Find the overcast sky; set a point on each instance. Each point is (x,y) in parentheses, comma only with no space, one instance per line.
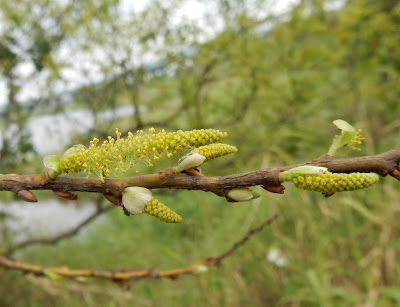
(192,10)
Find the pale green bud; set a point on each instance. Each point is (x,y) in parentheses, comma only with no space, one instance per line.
(242,194)
(189,161)
(135,199)
(201,269)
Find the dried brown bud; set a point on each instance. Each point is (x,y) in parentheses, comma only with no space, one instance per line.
(193,172)
(113,199)
(279,189)
(66,195)
(27,196)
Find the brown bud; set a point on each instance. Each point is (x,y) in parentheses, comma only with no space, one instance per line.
(66,195)
(113,199)
(127,213)
(396,174)
(27,196)
(279,189)
(193,172)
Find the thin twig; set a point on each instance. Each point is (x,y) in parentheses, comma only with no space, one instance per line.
(125,276)
(245,238)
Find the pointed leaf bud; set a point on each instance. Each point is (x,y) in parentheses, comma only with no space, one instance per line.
(189,161)
(135,199)
(53,163)
(242,194)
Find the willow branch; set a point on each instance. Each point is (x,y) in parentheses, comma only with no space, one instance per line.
(383,164)
(122,277)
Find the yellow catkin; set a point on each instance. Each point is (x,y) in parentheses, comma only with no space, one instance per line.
(121,154)
(213,151)
(161,212)
(335,182)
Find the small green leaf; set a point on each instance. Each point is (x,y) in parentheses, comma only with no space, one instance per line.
(343,125)
(53,162)
(348,135)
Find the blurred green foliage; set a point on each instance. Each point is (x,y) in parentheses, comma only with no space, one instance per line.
(274,84)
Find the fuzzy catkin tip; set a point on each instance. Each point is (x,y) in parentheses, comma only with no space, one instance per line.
(213,151)
(335,182)
(160,211)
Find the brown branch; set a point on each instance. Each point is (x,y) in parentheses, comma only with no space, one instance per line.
(382,164)
(122,277)
(63,235)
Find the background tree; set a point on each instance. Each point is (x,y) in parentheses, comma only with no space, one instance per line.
(274,83)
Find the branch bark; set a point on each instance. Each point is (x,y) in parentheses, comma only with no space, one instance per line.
(383,164)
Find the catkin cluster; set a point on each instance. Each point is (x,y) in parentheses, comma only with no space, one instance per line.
(335,182)
(161,211)
(122,154)
(213,151)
